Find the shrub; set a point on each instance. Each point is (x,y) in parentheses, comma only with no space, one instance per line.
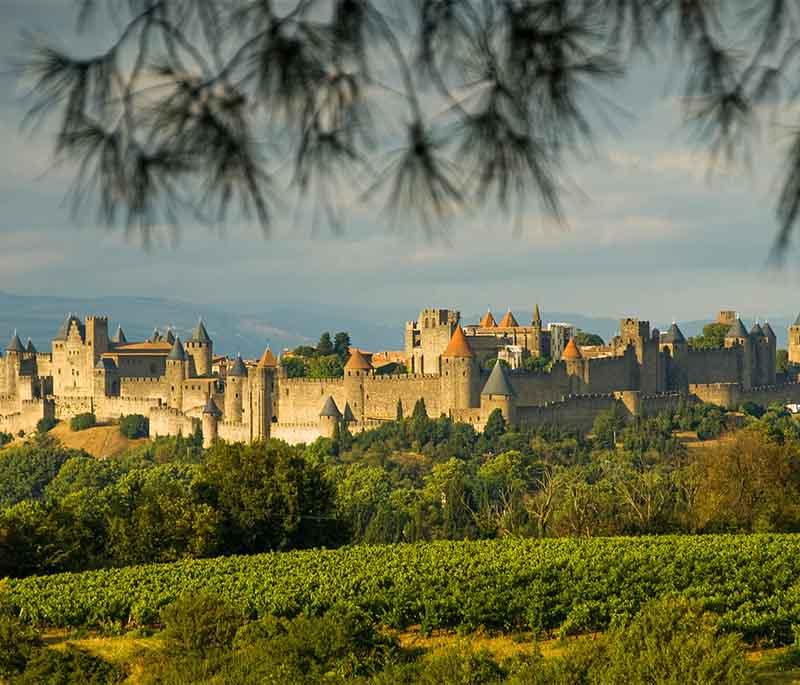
(201,622)
(72,666)
(46,424)
(134,426)
(82,421)
(17,644)
(5,438)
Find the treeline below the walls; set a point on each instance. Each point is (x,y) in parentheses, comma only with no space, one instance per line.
(413,479)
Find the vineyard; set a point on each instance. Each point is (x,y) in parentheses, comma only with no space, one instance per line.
(573,585)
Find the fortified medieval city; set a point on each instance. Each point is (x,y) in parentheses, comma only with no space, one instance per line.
(182,386)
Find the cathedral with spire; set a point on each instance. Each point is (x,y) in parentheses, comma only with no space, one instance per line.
(461,370)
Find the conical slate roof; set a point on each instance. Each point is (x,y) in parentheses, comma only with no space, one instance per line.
(737,330)
(15,345)
(498,382)
(156,336)
(119,336)
(673,335)
(797,321)
(330,409)
(170,336)
(756,331)
(177,353)
(571,351)
(211,408)
(768,330)
(458,345)
(238,369)
(357,361)
(30,349)
(488,320)
(508,321)
(268,359)
(200,334)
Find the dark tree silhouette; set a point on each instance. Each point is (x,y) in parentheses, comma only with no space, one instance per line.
(210,104)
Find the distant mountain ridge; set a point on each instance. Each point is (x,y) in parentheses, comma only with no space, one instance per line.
(248,328)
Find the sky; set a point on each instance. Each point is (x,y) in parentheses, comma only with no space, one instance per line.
(649,233)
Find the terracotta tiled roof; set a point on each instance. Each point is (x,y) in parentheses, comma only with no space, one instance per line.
(143,348)
(571,351)
(268,359)
(458,345)
(508,321)
(357,361)
(488,320)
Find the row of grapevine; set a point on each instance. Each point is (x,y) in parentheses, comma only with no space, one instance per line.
(751,581)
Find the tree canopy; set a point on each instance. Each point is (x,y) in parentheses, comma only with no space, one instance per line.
(207,105)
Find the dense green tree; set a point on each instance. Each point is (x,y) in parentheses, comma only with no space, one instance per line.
(267,495)
(713,337)
(325,345)
(495,426)
(295,367)
(329,366)
(782,364)
(585,339)
(341,345)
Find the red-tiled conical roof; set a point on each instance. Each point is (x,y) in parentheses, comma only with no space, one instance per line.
(508,321)
(458,345)
(488,320)
(571,351)
(357,361)
(268,359)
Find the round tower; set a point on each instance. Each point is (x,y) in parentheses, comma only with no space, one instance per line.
(211,416)
(14,352)
(356,371)
(200,349)
(234,389)
(459,375)
(575,365)
(498,394)
(674,343)
(329,418)
(176,374)
(737,336)
(262,382)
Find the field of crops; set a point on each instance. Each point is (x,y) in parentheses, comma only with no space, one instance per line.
(752,581)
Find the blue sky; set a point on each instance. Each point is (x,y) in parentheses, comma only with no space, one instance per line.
(649,234)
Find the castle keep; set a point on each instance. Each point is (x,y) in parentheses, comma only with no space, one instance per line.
(181,386)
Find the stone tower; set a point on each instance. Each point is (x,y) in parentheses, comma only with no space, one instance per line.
(262,385)
(772,345)
(460,374)
(737,335)
(329,418)
(176,374)
(234,391)
(200,349)
(675,345)
(536,322)
(14,352)
(794,341)
(356,371)
(96,340)
(211,416)
(498,394)
(575,366)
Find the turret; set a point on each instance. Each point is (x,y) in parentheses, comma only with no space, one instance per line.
(498,394)
(234,390)
(105,372)
(176,374)
(488,320)
(772,345)
(262,385)
(14,352)
(760,355)
(119,337)
(459,374)
(200,348)
(356,371)
(508,321)
(675,345)
(211,416)
(575,366)
(737,335)
(794,342)
(329,418)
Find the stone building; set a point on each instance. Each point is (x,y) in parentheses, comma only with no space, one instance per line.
(183,387)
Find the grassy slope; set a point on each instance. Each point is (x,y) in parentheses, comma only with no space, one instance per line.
(100,441)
